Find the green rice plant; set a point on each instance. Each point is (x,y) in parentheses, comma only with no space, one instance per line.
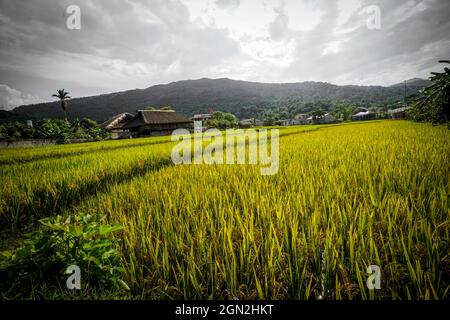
(44,187)
(345,197)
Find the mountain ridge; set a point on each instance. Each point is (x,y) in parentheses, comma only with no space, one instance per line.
(245,98)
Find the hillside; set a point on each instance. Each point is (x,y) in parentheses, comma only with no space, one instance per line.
(243,98)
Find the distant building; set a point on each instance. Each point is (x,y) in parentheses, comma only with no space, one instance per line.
(248,123)
(364,115)
(200,120)
(201,117)
(117,121)
(302,118)
(286,122)
(115,124)
(326,118)
(398,114)
(146,123)
(156,122)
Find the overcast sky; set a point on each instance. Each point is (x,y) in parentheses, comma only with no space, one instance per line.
(127,44)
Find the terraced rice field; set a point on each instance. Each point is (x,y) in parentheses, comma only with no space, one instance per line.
(345,197)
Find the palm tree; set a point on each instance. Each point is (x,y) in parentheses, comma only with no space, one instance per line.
(62,95)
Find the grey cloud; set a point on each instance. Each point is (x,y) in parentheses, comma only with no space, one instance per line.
(138,43)
(115,30)
(397,47)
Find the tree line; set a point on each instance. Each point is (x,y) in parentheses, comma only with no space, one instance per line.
(61,130)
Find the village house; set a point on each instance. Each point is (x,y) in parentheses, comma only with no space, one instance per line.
(301,118)
(326,118)
(286,122)
(200,121)
(115,125)
(398,114)
(248,123)
(202,117)
(157,122)
(364,115)
(146,123)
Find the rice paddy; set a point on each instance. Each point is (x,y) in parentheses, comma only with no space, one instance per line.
(345,197)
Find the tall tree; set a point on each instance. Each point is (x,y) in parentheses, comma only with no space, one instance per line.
(62,95)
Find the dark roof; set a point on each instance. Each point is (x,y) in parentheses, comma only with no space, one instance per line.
(155,117)
(117,121)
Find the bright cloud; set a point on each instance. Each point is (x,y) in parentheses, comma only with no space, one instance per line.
(11,98)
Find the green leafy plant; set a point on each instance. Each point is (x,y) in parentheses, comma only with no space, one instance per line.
(434,104)
(84,240)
